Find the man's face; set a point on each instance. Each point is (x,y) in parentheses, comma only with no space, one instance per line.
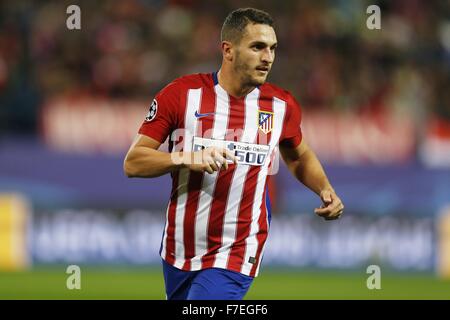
(255,54)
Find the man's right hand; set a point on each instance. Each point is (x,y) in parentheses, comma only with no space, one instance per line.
(208,160)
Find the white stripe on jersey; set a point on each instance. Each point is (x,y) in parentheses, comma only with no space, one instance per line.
(190,126)
(209,180)
(279,110)
(237,184)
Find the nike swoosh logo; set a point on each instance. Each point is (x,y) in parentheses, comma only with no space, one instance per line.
(201,115)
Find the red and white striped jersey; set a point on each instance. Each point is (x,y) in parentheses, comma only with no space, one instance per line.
(222,219)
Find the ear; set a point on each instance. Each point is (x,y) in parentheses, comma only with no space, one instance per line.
(227,50)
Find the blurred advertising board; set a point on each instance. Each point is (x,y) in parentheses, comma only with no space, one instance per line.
(133,237)
(84,124)
(364,138)
(96,236)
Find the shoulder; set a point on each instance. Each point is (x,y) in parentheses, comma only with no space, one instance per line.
(191,81)
(173,95)
(271,90)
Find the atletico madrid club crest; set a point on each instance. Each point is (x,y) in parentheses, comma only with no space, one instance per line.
(152,111)
(265,121)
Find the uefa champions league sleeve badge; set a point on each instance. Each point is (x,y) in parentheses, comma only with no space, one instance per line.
(152,111)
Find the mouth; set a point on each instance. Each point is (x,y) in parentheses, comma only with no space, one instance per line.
(263,69)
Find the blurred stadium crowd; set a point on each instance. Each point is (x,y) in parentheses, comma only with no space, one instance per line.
(130,49)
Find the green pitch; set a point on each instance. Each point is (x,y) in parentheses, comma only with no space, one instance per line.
(147,283)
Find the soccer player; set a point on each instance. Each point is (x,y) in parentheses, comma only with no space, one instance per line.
(224,128)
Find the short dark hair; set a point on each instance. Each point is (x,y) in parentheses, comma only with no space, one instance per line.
(234,26)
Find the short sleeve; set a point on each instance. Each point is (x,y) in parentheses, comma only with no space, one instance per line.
(292,133)
(162,117)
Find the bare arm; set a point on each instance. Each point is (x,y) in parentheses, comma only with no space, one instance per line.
(145,161)
(304,165)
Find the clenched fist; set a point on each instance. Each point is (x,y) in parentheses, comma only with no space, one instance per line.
(332,207)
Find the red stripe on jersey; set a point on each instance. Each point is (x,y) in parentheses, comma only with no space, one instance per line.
(208,106)
(216,216)
(236,119)
(194,188)
(263,232)
(170,240)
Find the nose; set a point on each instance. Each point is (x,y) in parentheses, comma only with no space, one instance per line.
(268,56)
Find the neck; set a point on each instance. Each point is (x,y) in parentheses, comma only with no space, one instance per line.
(232,84)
